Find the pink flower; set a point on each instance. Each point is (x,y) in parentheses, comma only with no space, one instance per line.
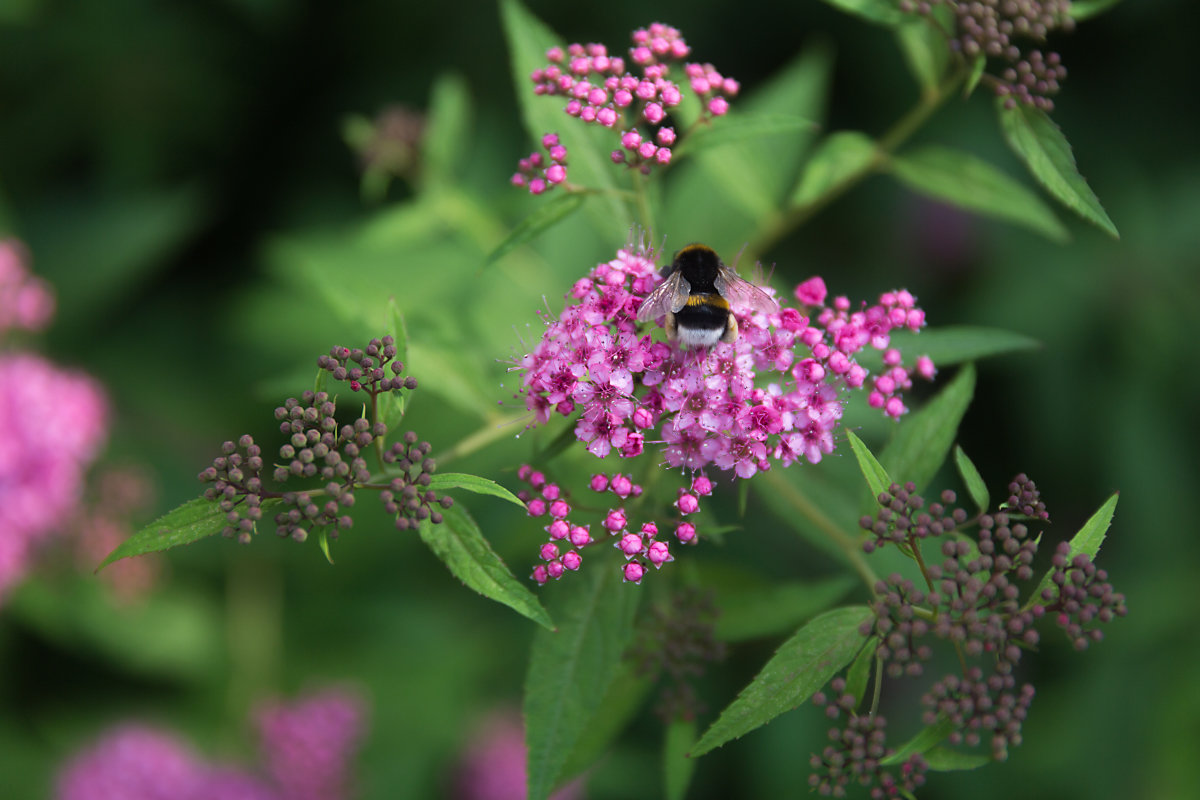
(55,424)
(492,765)
(134,762)
(308,745)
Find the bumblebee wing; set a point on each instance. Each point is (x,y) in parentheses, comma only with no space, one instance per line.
(670,295)
(742,294)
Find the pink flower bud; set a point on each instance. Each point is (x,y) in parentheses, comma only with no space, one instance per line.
(630,140)
(633,572)
(559,509)
(685,532)
(647,150)
(551,491)
(599,482)
(540,574)
(702,486)
(537,507)
(580,536)
(666,136)
(606,117)
(659,554)
(812,292)
(556,174)
(549,551)
(687,503)
(555,569)
(925,367)
(571,560)
(558,529)
(621,485)
(671,95)
(549,140)
(663,155)
(653,112)
(649,530)
(524,471)
(630,544)
(537,479)
(615,520)
(537,186)
(895,407)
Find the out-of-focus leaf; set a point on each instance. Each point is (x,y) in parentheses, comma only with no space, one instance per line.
(445,138)
(925,50)
(571,668)
(860,670)
(739,128)
(928,737)
(971,477)
(943,759)
(976,75)
(876,474)
(1086,9)
(169,633)
(1040,143)
(461,546)
(95,253)
(923,438)
(1086,541)
(194,520)
(966,181)
(677,766)
(881,12)
(763,610)
(548,215)
(838,158)
(956,344)
(442,481)
(801,666)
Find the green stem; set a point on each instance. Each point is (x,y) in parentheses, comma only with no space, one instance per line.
(850,546)
(643,202)
(492,430)
(784,223)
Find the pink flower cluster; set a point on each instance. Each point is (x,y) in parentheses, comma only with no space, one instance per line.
(600,90)
(26,301)
(539,173)
(492,766)
(772,395)
(55,423)
(306,747)
(640,548)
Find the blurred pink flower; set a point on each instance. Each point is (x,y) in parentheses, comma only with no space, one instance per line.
(25,301)
(308,745)
(492,766)
(55,423)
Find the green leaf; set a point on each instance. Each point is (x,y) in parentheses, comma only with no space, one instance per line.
(956,344)
(881,12)
(1086,541)
(801,666)
(976,75)
(461,546)
(1040,143)
(446,138)
(923,439)
(589,147)
(943,759)
(472,483)
(877,476)
(925,50)
(764,610)
(190,522)
(323,544)
(971,477)
(839,158)
(678,767)
(569,670)
(621,702)
(860,670)
(393,404)
(968,182)
(928,737)
(1086,9)
(739,128)
(547,216)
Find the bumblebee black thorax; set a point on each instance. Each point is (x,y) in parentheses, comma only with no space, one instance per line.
(700,265)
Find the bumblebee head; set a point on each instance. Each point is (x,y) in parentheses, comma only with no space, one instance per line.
(699,264)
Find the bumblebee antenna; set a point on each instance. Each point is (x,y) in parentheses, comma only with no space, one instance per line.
(738,257)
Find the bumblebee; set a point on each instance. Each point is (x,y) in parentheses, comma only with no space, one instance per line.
(698,294)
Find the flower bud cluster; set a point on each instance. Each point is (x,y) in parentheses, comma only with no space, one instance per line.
(318,448)
(992,28)
(770,396)
(641,546)
(973,602)
(903,515)
(538,172)
(1079,596)
(856,751)
(408,497)
(678,641)
(601,90)
(367,369)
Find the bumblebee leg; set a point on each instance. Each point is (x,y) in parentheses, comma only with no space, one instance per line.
(672,331)
(731,331)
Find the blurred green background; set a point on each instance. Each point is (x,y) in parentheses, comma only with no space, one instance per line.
(180,175)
